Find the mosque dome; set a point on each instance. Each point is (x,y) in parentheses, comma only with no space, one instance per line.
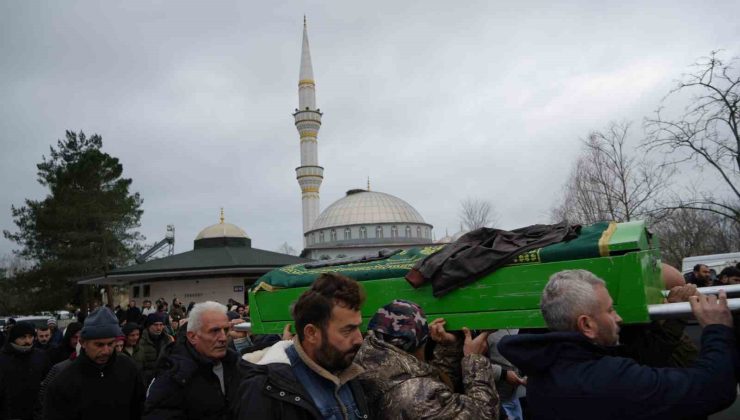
(222,230)
(368,218)
(222,234)
(367,207)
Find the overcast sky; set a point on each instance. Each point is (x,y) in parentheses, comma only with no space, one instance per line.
(435,101)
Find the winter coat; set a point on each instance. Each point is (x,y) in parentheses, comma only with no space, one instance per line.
(53,372)
(481,252)
(150,353)
(570,377)
(133,314)
(21,374)
(137,357)
(658,344)
(56,338)
(400,386)
(270,389)
(187,388)
(87,391)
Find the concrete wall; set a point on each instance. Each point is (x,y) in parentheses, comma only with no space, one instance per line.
(193,290)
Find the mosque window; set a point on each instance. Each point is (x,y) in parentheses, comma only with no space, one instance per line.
(378,231)
(394,231)
(426,231)
(313,239)
(418,231)
(136,291)
(321,237)
(363,232)
(347,233)
(333,235)
(408,231)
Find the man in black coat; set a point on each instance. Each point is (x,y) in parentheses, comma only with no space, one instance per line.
(199,376)
(22,368)
(68,346)
(97,384)
(133,313)
(573,373)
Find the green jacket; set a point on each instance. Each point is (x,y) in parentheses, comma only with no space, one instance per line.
(150,353)
(137,357)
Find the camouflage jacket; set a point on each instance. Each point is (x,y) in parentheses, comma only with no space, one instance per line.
(399,386)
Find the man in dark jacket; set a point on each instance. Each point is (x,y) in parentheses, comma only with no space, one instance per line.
(311,376)
(133,313)
(97,384)
(199,378)
(572,374)
(68,347)
(22,368)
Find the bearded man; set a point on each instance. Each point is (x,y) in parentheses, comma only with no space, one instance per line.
(313,375)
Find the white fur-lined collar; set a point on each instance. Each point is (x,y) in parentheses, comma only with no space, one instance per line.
(273,354)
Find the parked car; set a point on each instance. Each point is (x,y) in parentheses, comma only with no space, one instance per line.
(37,321)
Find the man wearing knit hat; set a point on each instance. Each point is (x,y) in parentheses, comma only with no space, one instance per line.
(56,335)
(97,383)
(398,381)
(22,368)
(153,340)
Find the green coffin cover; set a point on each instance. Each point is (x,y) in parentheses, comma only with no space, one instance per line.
(594,241)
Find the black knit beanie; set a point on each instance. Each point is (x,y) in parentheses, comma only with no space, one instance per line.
(20,329)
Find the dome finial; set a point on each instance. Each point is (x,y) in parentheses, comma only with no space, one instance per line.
(368,183)
(222,215)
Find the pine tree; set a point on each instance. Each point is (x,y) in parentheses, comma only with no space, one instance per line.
(85,225)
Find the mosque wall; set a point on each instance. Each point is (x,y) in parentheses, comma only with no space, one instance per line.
(191,290)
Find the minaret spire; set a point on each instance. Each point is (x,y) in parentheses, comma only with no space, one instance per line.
(308,122)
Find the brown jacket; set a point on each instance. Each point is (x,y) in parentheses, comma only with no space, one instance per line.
(399,386)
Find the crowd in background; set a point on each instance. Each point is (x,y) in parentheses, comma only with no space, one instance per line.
(165,361)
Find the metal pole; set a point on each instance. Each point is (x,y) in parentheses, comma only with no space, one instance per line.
(730,289)
(682,309)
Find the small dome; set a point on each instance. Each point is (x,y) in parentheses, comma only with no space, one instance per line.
(367,207)
(222,230)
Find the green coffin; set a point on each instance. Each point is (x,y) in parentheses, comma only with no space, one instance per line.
(623,254)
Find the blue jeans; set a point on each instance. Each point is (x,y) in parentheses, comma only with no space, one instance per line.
(512,408)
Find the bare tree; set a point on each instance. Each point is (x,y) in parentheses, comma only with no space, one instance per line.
(608,182)
(476,213)
(285,248)
(706,133)
(687,232)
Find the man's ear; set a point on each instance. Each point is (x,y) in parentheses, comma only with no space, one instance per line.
(311,334)
(586,326)
(192,337)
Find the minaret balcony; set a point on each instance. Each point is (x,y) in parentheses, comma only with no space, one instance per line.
(309,172)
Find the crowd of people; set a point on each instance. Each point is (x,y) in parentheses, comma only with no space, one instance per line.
(703,276)
(172,362)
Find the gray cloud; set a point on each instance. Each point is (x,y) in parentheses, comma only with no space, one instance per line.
(435,103)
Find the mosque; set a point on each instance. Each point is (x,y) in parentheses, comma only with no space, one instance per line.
(223,264)
(363,221)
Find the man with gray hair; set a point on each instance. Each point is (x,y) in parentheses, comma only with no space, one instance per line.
(199,377)
(573,373)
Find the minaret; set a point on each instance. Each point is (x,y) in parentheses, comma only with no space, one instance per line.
(308,122)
